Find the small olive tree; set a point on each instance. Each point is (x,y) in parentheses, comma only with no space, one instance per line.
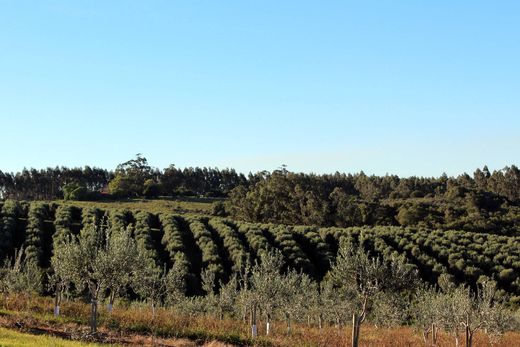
(267,285)
(93,260)
(361,277)
(20,276)
(426,312)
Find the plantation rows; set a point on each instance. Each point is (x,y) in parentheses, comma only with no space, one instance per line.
(224,247)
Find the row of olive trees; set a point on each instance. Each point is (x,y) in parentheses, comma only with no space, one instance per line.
(360,288)
(104,262)
(107,261)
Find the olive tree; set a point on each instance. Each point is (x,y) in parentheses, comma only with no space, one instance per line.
(474,310)
(21,276)
(99,259)
(268,286)
(361,277)
(426,312)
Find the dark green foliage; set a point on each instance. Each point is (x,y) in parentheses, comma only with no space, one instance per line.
(34,238)
(63,225)
(485,203)
(291,250)
(222,246)
(219,209)
(118,219)
(211,259)
(236,249)
(8,228)
(256,238)
(174,242)
(143,234)
(91,216)
(74,191)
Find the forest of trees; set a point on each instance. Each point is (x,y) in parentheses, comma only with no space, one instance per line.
(452,281)
(134,178)
(486,202)
(278,196)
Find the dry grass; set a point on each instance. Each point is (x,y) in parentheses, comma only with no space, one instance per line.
(176,205)
(136,326)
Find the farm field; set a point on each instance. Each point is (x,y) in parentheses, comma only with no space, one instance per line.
(212,261)
(266,173)
(132,326)
(224,245)
(178,205)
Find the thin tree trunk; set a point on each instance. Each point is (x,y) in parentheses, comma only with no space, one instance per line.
(111,299)
(425,334)
(354,331)
(469,337)
(268,324)
(320,321)
(93,316)
(358,331)
(57,301)
(434,334)
(254,331)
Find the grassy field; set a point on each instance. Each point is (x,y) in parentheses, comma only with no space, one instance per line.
(11,338)
(136,326)
(174,205)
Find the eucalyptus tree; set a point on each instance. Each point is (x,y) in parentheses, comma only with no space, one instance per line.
(361,277)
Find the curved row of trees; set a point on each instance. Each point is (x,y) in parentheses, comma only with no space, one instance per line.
(222,247)
(103,262)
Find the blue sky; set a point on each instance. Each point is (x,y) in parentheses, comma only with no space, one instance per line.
(404,87)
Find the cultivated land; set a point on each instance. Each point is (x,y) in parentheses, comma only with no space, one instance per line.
(184,232)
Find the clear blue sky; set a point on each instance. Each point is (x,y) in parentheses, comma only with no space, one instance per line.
(404,87)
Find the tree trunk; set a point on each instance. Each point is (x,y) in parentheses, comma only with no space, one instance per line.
(469,337)
(288,318)
(111,299)
(320,321)
(354,330)
(57,301)
(425,334)
(254,331)
(268,324)
(93,316)
(434,334)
